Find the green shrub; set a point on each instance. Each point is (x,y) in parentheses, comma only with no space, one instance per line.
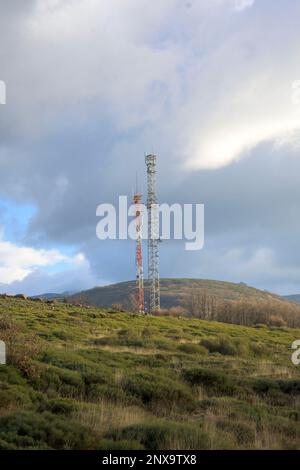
(290,386)
(63,335)
(64,406)
(111,392)
(64,382)
(110,444)
(111,340)
(243,432)
(153,388)
(45,430)
(131,338)
(161,435)
(148,332)
(11,375)
(215,380)
(14,395)
(222,344)
(265,385)
(165,344)
(71,378)
(97,377)
(4,445)
(127,337)
(191,348)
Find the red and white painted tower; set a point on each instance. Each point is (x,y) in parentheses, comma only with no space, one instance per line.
(139,295)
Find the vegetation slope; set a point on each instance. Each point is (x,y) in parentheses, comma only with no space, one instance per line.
(174,292)
(204,299)
(89,378)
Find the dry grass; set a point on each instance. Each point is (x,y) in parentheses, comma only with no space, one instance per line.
(104,416)
(201,393)
(9,409)
(267,438)
(129,349)
(269,369)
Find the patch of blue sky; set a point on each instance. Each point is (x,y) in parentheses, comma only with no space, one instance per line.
(14,219)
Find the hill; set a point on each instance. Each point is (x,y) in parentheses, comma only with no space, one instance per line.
(205,299)
(90,378)
(52,295)
(293,298)
(174,292)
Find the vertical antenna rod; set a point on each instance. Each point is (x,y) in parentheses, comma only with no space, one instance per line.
(153,236)
(139,294)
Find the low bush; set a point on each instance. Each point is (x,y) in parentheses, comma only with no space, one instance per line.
(95,392)
(63,406)
(243,432)
(97,377)
(60,334)
(11,375)
(288,386)
(110,444)
(45,430)
(221,344)
(265,385)
(22,348)
(214,380)
(13,395)
(152,388)
(55,381)
(165,435)
(131,338)
(191,348)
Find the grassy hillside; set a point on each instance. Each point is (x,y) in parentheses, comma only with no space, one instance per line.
(203,299)
(174,292)
(86,378)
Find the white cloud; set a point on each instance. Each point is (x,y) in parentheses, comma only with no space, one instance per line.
(216,92)
(17,262)
(244,97)
(89,50)
(227,141)
(242,4)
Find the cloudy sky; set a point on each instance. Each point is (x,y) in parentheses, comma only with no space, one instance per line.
(209,85)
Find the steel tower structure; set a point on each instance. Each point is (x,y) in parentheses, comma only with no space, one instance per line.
(153,236)
(139,294)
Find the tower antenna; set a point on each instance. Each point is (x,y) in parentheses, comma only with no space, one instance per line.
(153,236)
(139,293)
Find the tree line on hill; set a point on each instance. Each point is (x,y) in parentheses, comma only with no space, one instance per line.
(271,312)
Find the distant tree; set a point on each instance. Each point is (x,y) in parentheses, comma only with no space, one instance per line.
(201,304)
(118,307)
(271,312)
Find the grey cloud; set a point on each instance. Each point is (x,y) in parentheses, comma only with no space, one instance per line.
(87,98)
